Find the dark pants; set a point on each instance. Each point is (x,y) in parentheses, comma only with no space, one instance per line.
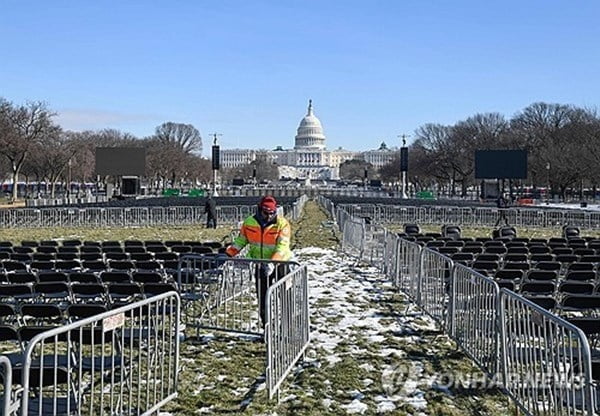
(211,222)
(263,282)
(502,217)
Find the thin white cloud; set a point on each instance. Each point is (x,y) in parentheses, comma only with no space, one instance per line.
(92,119)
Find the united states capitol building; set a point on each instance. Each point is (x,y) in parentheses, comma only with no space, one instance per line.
(309,159)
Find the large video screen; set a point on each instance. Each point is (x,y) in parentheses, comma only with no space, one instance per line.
(119,161)
(501,164)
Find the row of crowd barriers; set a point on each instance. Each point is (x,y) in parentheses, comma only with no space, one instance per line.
(129,216)
(119,216)
(540,360)
(297,207)
(473,216)
(224,295)
(121,362)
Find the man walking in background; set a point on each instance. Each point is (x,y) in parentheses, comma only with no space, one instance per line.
(502,203)
(267,236)
(210,209)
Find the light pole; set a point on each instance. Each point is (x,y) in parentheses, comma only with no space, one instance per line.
(403,165)
(548,178)
(216,161)
(70,163)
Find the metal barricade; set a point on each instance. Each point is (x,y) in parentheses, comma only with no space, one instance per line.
(224,294)
(287,329)
(434,285)
(546,360)
(124,361)
(577,218)
(229,215)
(554,218)
(136,217)
(374,245)
(485,216)
(391,263)
(474,317)
(531,218)
(409,258)
(7,394)
(353,236)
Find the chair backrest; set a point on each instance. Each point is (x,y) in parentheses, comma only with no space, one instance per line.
(534,258)
(451,231)
(52,276)
(580,275)
(581,302)
(539,249)
(507,232)
(508,274)
(521,265)
(570,231)
(517,250)
(537,288)
(546,302)
(545,275)
(580,266)
(146,277)
(412,229)
(573,288)
(548,265)
(115,277)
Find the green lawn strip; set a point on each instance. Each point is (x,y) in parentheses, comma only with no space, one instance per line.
(190,233)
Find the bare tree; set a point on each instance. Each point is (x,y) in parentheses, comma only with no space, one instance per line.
(433,144)
(262,165)
(554,135)
(481,131)
(52,156)
(21,127)
(354,169)
(185,136)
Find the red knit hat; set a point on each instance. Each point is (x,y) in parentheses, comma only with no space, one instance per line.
(268,203)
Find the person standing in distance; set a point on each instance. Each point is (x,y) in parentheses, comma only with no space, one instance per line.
(267,236)
(210,209)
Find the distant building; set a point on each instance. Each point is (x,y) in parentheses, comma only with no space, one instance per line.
(309,158)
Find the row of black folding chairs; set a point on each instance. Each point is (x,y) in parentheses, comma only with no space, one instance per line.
(555,289)
(62,294)
(12,266)
(520,257)
(38,257)
(503,250)
(561,264)
(551,242)
(48,250)
(115,276)
(112,243)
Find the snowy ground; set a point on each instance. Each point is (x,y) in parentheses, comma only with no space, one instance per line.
(368,337)
(371,352)
(590,207)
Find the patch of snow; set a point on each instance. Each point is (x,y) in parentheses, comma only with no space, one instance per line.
(386,406)
(367,367)
(333,359)
(355,407)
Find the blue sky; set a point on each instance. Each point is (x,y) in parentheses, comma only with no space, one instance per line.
(246,69)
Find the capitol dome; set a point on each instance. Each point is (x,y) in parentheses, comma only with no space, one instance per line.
(310,132)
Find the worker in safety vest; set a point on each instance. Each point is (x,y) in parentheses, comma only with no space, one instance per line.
(267,236)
